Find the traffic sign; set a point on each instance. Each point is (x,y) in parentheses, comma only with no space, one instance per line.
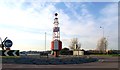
(8,43)
(10,53)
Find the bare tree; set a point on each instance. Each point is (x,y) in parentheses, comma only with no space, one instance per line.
(102,45)
(75,44)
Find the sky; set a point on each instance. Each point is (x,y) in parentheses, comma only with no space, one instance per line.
(26,21)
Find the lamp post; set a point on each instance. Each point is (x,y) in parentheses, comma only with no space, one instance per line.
(107,38)
(103,30)
(45,41)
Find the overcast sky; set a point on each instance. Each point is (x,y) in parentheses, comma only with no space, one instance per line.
(25,23)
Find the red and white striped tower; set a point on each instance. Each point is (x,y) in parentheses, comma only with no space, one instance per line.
(56,44)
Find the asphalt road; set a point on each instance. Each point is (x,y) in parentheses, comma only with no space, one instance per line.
(104,62)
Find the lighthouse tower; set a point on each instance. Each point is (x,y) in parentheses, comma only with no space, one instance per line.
(56,44)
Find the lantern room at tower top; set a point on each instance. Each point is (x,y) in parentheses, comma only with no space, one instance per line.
(56,44)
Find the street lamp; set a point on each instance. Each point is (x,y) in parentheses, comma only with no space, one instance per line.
(45,41)
(103,30)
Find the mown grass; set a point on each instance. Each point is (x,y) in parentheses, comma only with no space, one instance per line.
(9,57)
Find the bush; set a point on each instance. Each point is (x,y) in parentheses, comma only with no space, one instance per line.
(66,51)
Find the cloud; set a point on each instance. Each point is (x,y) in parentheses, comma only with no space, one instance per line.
(87,27)
(110,14)
(25,27)
(27,21)
(78,25)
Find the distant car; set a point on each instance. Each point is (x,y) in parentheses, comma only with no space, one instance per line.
(23,53)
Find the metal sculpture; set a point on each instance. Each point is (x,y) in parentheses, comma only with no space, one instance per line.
(56,44)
